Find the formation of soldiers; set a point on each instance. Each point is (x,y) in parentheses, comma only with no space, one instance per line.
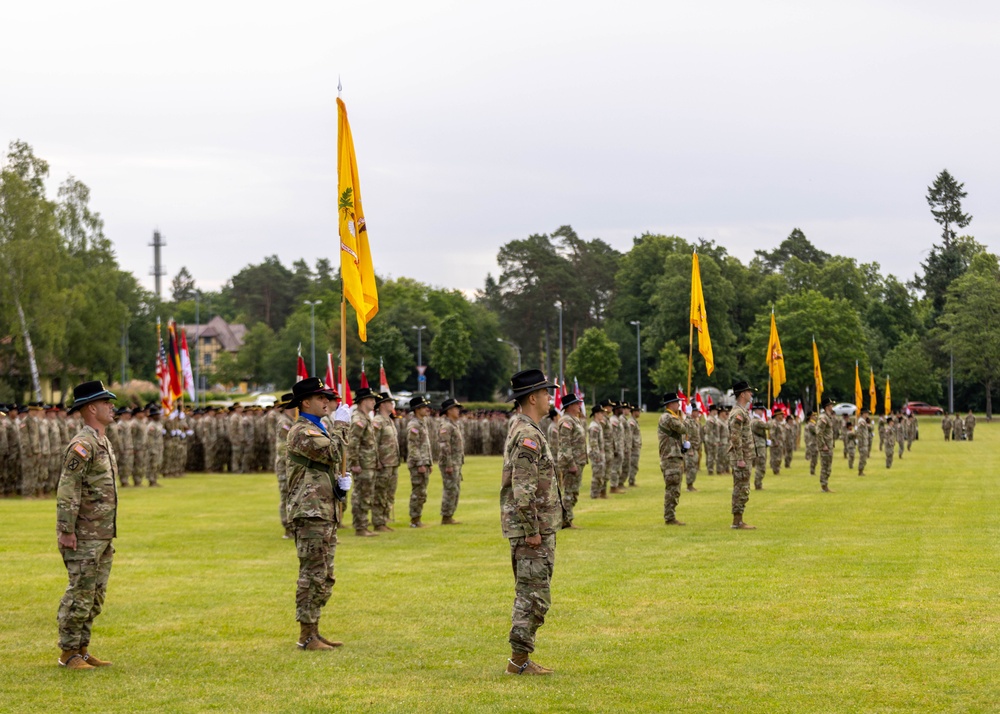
(33,439)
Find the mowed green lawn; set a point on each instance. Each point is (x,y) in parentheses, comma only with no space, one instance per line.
(881,597)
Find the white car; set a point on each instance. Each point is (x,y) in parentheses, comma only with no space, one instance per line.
(844,409)
(265,400)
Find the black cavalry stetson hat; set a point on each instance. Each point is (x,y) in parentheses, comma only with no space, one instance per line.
(826,402)
(569,400)
(597,408)
(418,401)
(526,382)
(308,387)
(365,393)
(382,398)
(668,398)
(285,401)
(740,387)
(449,403)
(89,392)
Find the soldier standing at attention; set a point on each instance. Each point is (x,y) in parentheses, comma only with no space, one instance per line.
(626,436)
(812,453)
(572,458)
(759,429)
(851,440)
(155,443)
(387,475)
(777,431)
(692,457)
(127,457)
(552,433)
(286,417)
(452,450)
(361,460)
(673,444)
(418,457)
(791,429)
(314,486)
(900,433)
(609,447)
(710,436)
(825,443)
(742,452)
(531,513)
(890,441)
(945,427)
(598,478)
(86,521)
(970,427)
(617,445)
(722,456)
(863,435)
(637,444)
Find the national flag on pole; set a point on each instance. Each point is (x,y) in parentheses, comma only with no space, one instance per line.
(383,381)
(871,393)
(859,396)
(174,362)
(557,402)
(800,412)
(356,269)
(817,375)
(699,403)
(576,390)
(888,397)
(186,365)
(163,372)
(775,359)
(331,376)
(364,377)
(699,316)
(300,367)
(683,398)
(345,387)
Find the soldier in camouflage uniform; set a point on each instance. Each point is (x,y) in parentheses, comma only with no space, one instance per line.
(890,441)
(127,455)
(970,426)
(387,473)
(155,431)
(710,436)
(552,433)
(636,434)
(286,417)
(531,512)
(851,440)
(672,436)
(362,460)
(451,451)
(315,491)
(86,523)
(759,429)
(140,443)
(742,452)
(722,448)
(598,453)
(624,417)
(812,453)
(609,446)
(692,457)
(617,448)
(777,431)
(900,433)
(825,443)
(418,457)
(31,452)
(863,435)
(791,429)
(572,449)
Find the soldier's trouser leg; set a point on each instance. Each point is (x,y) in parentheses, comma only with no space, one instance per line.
(452,488)
(691,467)
(672,477)
(710,458)
(862,460)
(614,472)
(722,458)
(418,493)
(315,545)
(155,467)
(889,451)
(813,458)
(597,480)
(362,496)
(246,459)
(282,491)
(825,467)
(775,460)
(760,468)
(850,458)
(901,445)
(385,491)
(234,460)
(125,466)
(89,567)
(741,488)
(788,457)
(533,567)
(633,470)
(571,492)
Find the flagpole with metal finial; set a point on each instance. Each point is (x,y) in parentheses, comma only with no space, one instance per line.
(343,318)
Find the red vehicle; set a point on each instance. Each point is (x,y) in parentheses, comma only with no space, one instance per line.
(923,408)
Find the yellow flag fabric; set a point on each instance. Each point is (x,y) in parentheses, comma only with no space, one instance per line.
(699,317)
(817,375)
(871,393)
(775,359)
(356,269)
(859,396)
(888,397)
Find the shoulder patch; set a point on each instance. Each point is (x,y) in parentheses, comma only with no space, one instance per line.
(74,464)
(530,443)
(567,425)
(312,432)
(444,431)
(81,450)
(414,430)
(286,427)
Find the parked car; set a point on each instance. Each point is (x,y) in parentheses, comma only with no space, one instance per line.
(844,409)
(923,408)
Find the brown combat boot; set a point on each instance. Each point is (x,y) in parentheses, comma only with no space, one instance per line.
(602,494)
(675,522)
(520,663)
(364,533)
(415,523)
(383,529)
(308,640)
(692,489)
(92,660)
(71,659)
(739,525)
(449,521)
(826,489)
(331,643)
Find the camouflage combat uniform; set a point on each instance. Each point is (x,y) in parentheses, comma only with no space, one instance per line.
(692,457)
(812,453)
(86,505)
(626,448)
(759,430)
(530,504)
(636,435)
(791,428)
(362,461)
(825,445)
(284,425)
(140,444)
(710,435)
(154,468)
(889,443)
(863,435)
(670,432)
(313,462)
(614,465)
(777,433)
(851,441)
(387,473)
(609,451)
(418,455)
(970,427)
(572,458)
(598,478)
(740,448)
(722,448)
(451,448)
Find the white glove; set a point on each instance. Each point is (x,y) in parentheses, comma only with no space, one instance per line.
(344,482)
(687,444)
(343,414)
(190,432)
(768,442)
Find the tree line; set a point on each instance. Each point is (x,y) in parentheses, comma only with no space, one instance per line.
(66,299)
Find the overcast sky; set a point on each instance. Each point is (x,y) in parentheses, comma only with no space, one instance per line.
(478,123)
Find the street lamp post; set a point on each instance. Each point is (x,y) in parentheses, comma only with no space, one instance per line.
(312,330)
(516,349)
(638,362)
(421,379)
(197,345)
(562,379)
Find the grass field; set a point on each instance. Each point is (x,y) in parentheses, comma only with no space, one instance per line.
(881,597)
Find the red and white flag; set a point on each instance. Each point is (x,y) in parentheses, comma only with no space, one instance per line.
(559,395)
(300,367)
(345,387)
(364,377)
(383,381)
(331,376)
(186,365)
(576,390)
(699,404)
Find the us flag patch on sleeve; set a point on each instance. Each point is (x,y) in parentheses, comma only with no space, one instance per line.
(531,444)
(82,450)
(415,430)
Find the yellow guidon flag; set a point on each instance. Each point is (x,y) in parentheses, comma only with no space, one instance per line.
(888,397)
(356,269)
(817,375)
(775,359)
(871,393)
(699,317)
(859,396)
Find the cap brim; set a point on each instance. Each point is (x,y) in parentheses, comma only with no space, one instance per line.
(99,397)
(536,388)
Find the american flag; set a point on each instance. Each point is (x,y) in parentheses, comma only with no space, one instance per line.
(163,374)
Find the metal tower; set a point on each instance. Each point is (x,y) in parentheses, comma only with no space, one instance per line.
(158,270)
